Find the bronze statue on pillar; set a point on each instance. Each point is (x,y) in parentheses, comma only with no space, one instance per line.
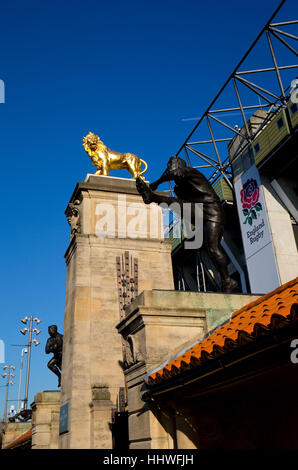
(54,345)
(193,187)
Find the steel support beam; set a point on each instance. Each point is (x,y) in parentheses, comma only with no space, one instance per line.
(275,64)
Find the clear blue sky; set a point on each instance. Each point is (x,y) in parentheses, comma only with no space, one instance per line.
(130,71)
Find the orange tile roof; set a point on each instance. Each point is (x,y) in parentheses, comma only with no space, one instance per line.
(270,311)
(21,439)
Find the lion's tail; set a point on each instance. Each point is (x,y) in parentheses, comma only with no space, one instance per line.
(146,167)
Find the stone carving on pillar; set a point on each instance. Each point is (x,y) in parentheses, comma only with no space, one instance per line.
(73,217)
(54,345)
(133,356)
(193,187)
(127,280)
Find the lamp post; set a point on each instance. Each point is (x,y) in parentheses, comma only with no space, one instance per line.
(35,342)
(24,350)
(8,376)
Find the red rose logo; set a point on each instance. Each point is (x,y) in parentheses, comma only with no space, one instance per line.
(249,199)
(249,194)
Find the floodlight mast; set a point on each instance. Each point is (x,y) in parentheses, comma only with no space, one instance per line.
(8,376)
(24,350)
(28,364)
(36,343)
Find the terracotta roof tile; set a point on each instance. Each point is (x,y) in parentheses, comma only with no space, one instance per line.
(270,311)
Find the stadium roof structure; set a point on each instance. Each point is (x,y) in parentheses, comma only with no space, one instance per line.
(214,132)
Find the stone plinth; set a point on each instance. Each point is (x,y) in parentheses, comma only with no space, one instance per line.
(45,420)
(92,348)
(162,324)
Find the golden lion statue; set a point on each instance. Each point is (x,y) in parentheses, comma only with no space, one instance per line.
(105,159)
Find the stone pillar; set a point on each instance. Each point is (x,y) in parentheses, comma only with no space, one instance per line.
(45,420)
(183,441)
(162,324)
(92,348)
(148,428)
(186,428)
(101,417)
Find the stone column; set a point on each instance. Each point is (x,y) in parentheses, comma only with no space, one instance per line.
(163,324)
(186,432)
(92,348)
(101,417)
(159,322)
(45,420)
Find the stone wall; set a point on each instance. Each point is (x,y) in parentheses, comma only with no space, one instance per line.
(13,431)
(45,420)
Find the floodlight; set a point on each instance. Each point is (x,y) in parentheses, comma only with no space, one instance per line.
(24,331)
(25,320)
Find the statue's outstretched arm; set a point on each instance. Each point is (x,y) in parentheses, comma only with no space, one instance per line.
(149,196)
(164,177)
